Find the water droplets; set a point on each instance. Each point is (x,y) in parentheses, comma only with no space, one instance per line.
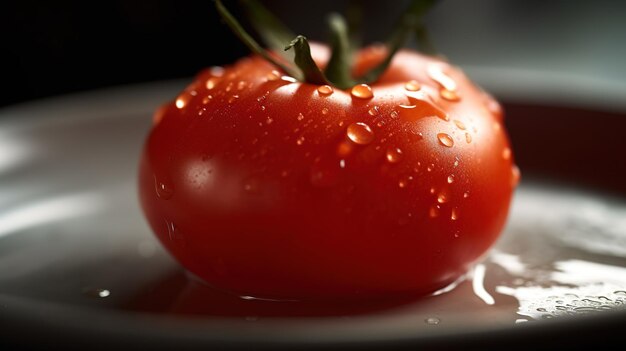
(468,138)
(233,98)
(506,153)
(450,179)
(459,124)
(212,82)
(442,198)
(445,139)
(515,175)
(325,110)
(300,141)
(182,101)
(288,79)
(360,133)
(436,73)
(394,155)
(97,293)
(273,76)
(163,189)
(432,321)
(449,95)
(454,215)
(174,234)
(325,90)
(300,116)
(412,85)
(374,111)
(434,210)
(362,91)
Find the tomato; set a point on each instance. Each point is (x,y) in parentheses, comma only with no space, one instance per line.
(269,187)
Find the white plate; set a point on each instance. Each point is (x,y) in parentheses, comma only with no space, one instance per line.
(79,264)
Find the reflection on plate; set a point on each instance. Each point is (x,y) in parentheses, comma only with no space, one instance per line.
(72,237)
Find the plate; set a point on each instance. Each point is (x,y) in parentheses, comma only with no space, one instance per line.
(79,265)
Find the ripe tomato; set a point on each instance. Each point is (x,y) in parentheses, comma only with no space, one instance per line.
(273,188)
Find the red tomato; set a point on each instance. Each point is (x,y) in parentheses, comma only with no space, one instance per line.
(268,187)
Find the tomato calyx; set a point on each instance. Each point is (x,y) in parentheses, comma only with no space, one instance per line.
(292,54)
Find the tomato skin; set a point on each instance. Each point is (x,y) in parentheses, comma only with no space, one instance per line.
(252,182)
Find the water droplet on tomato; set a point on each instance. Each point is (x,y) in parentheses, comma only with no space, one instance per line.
(450,179)
(412,85)
(362,91)
(207,98)
(433,211)
(182,101)
(394,114)
(269,120)
(211,82)
(300,116)
(430,167)
(454,215)
(241,85)
(459,124)
(445,139)
(449,95)
(437,74)
(466,194)
(442,198)
(174,234)
(233,98)
(468,138)
(374,111)
(325,90)
(506,153)
(394,155)
(163,190)
(325,111)
(360,133)
(515,175)
(300,140)
(288,79)
(273,76)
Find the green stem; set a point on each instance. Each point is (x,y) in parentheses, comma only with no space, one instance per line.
(274,33)
(248,40)
(338,68)
(304,61)
(408,23)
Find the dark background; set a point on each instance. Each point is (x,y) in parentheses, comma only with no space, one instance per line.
(51,48)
